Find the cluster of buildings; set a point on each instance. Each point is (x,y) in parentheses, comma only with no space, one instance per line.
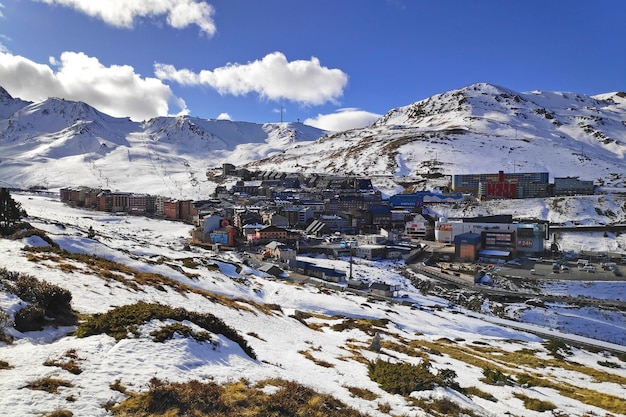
(129,203)
(262,207)
(492,238)
(519,185)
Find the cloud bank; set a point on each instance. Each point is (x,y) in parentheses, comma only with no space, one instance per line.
(343,119)
(124,13)
(116,90)
(273,78)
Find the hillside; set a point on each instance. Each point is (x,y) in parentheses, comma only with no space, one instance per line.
(479,128)
(56,143)
(281,343)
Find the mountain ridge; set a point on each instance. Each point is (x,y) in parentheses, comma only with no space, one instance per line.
(510,131)
(75,144)
(477,128)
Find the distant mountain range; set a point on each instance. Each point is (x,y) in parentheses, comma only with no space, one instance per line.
(479,128)
(56,143)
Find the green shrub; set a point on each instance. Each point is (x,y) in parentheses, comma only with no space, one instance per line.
(443,407)
(557,349)
(609,364)
(10,212)
(121,321)
(167,332)
(495,377)
(30,318)
(404,378)
(46,300)
(4,322)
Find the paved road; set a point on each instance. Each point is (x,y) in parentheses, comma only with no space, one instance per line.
(538,330)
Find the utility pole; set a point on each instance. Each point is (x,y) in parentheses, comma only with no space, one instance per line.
(281,113)
(351,244)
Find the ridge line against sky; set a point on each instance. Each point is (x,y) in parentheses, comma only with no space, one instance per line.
(333,65)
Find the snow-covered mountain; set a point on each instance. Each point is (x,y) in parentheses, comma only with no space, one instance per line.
(304,343)
(479,128)
(56,143)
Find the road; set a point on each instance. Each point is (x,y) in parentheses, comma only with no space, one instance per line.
(512,296)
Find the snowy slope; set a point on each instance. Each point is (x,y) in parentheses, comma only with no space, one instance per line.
(311,352)
(56,143)
(479,128)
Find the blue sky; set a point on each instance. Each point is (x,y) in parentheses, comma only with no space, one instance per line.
(334,64)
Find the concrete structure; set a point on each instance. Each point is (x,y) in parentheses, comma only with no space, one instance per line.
(417,227)
(529,237)
(572,186)
(528,184)
(418,199)
(467,246)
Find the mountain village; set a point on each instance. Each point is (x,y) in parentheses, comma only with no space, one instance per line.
(283,214)
(320,259)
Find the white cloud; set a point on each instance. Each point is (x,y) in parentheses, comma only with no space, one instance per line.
(224,116)
(343,119)
(123,13)
(116,90)
(273,78)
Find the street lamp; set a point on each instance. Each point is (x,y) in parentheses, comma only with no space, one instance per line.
(350,245)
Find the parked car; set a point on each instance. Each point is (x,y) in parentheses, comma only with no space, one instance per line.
(589,268)
(607,266)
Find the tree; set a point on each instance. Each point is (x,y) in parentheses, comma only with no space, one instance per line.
(10,211)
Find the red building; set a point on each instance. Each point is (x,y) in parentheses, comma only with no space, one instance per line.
(180,209)
(502,188)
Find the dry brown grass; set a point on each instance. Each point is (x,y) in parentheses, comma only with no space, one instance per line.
(60,413)
(113,271)
(69,362)
(307,354)
(362,393)
(234,399)
(521,365)
(50,385)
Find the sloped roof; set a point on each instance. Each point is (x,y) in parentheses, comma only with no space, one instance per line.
(271,269)
(273,245)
